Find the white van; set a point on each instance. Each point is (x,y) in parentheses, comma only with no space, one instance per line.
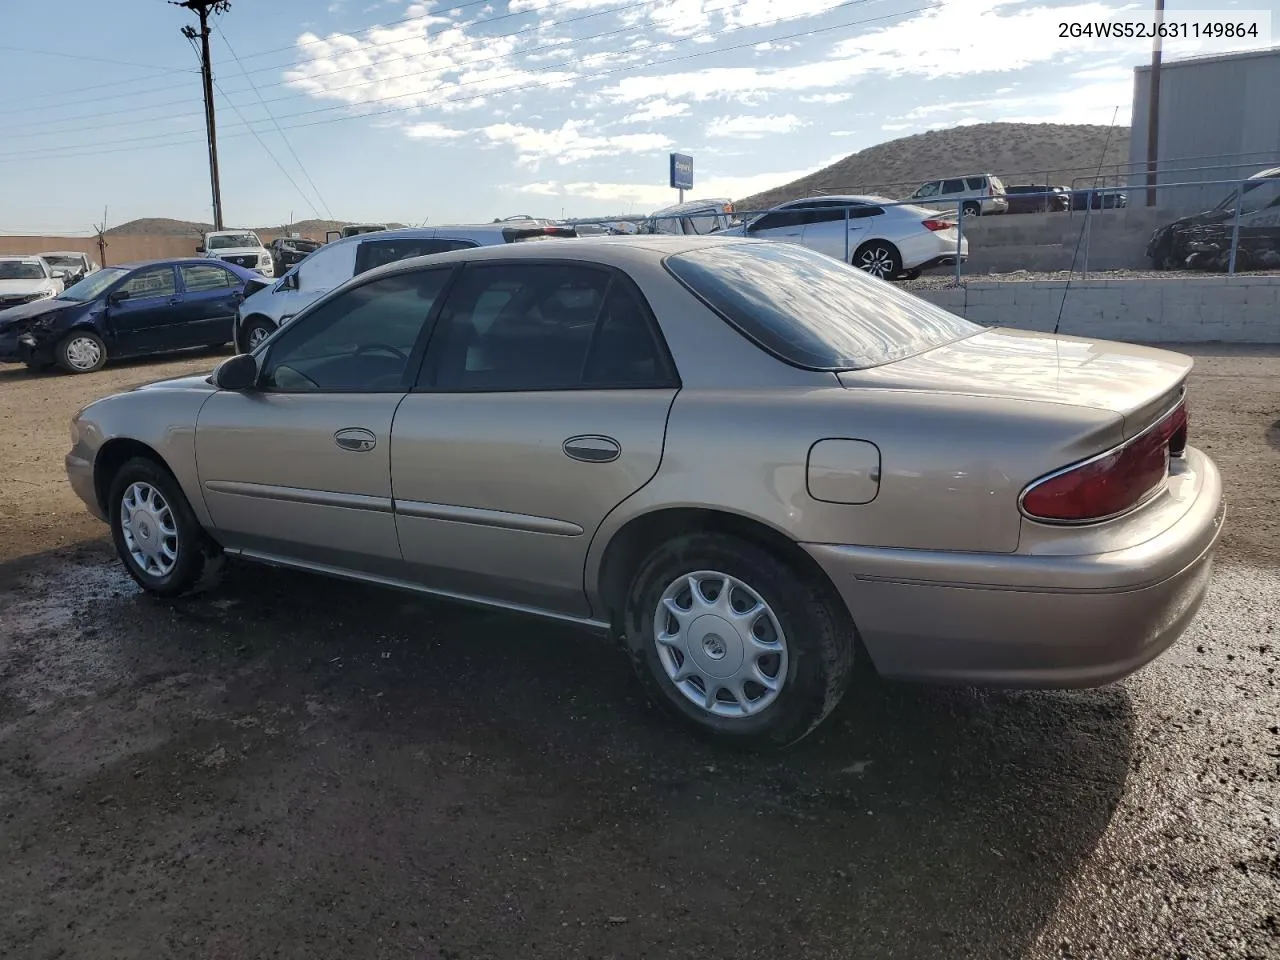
(264,312)
(698,217)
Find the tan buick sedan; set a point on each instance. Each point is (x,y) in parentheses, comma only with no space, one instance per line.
(745,459)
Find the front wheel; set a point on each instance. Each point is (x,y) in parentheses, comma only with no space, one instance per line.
(156,535)
(737,643)
(81,351)
(256,330)
(878,258)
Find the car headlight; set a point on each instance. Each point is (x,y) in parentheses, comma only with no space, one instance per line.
(264,258)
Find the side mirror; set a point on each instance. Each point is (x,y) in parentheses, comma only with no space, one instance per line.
(200,251)
(117,297)
(290,282)
(237,373)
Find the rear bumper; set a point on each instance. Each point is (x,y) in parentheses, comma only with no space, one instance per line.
(1029,621)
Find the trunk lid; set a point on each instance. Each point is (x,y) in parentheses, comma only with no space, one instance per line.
(1137,383)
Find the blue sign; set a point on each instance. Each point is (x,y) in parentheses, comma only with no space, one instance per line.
(681,172)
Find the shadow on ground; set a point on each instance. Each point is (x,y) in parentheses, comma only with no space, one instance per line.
(314,768)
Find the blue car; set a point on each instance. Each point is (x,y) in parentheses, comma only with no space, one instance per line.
(128,311)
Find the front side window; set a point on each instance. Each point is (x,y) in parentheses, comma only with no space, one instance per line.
(1260,194)
(360,341)
(928,190)
(778,219)
(198,278)
(811,310)
(544,327)
(152,282)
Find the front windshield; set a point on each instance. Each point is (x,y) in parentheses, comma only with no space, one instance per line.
(226,241)
(20,270)
(53,261)
(93,286)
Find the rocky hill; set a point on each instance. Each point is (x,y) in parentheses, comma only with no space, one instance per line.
(1017,152)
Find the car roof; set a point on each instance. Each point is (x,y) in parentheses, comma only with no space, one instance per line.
(1265,174)
(174,262)
(62,253)
(608,251)
(20,257)
(714,202)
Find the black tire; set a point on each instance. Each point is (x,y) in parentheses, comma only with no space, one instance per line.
(81,351)
(198,560)
(255,325)
(971,209)
(880,258)
(819,639)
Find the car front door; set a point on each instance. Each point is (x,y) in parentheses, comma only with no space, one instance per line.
(144,313)
(782,224)
(542,405)
(210,296)
(299,468)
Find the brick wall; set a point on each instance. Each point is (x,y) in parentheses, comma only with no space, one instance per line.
(1241,309)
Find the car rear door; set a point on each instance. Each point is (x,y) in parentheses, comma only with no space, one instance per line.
(148,320)
(210,295)
(377,253)
(542,405)
(299,468)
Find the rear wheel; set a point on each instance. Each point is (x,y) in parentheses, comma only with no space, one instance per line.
(971,209)
(737,643)
(156,535)
(878,258)
(81,351)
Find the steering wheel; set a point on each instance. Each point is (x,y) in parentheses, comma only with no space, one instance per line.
(370,347)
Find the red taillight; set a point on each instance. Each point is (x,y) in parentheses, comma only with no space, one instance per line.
(1112,483)
(936,225)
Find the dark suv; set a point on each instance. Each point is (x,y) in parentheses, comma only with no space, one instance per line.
(1037,198)
(289,251)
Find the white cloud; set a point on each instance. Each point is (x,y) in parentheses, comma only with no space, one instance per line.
(826,98)
(570,144)
(753,126)
(659,109)
(431,131)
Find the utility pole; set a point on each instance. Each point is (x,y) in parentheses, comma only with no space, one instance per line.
(202,9)
(101,229)
(1153,108)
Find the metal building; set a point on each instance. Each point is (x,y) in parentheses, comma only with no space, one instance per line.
(1219,120)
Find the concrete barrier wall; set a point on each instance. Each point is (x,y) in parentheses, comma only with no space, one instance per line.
(1242,309)
(1116,240)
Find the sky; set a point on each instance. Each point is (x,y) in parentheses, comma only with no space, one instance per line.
(431,112)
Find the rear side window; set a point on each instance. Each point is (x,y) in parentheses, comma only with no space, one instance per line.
(377,253)
(976,183)
(811,310)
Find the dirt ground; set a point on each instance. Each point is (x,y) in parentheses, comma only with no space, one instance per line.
(294,767)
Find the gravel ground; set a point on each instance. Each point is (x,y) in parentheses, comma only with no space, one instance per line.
(294,767)
(940,279)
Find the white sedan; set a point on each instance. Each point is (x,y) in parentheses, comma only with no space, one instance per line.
(888,240)
(24,279)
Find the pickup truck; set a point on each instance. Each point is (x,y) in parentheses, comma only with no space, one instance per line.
(241,247)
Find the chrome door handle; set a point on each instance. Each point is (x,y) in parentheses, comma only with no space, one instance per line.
(355,439)
(592,449)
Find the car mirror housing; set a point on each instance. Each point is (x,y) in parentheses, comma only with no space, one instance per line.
(117,296)
(237,373)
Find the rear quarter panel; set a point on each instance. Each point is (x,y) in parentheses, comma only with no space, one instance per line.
(952,466)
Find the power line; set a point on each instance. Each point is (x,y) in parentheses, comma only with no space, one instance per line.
(571,42)
(77,56)
(292,65)
(296,158)
(9,158)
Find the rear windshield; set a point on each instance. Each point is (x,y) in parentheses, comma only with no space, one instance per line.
(811,310)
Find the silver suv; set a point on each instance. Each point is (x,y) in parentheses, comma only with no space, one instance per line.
(980,193)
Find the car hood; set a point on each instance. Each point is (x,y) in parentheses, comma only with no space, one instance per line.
(238,252)
(34,310)
(1138,383)
(198,382)
(10,288)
